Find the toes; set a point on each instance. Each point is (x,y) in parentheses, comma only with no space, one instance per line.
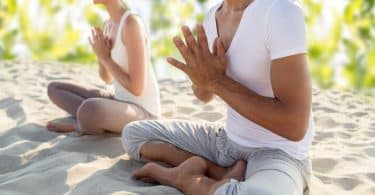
(144,172)
(51,127)
(149,180)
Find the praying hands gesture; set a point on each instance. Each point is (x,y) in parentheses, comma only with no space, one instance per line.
(100,44)
(203,67)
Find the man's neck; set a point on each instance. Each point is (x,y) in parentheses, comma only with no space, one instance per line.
(235,5)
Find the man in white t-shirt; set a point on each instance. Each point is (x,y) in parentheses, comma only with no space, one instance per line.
(257,65)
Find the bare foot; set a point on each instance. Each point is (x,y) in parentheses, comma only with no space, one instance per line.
(171,176)
(188,177)
(237,171)
(60,127)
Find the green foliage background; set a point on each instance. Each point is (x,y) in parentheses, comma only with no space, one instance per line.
(341,37)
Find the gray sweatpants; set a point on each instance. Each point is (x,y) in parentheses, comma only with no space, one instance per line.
(269,171)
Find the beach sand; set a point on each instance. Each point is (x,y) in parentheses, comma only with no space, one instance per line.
(35,161)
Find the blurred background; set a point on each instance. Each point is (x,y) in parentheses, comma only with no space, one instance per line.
(341,34)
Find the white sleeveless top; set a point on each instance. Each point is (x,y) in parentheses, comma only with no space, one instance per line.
(269,29)
(150,98)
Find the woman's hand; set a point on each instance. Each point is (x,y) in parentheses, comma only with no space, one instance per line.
(203,67)
(101,45)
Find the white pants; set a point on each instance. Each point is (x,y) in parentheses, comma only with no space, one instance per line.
(269,171)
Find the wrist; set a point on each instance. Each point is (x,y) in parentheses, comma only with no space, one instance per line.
(105,61)
(217,84)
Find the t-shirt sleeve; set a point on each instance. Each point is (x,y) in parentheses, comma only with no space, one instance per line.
(285,30)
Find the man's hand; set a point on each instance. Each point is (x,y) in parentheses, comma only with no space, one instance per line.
(203,67)
(101,45)
(202,95)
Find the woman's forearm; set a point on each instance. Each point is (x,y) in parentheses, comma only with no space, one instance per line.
(121,76)
(104,74)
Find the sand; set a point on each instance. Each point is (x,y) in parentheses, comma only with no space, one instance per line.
(35,161)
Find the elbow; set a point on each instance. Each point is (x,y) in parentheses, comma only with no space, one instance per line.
(107,81)
(297,131)
(296,137)
(205,99)
(136,91)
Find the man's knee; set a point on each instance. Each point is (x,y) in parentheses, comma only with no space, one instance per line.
(134,135)
(242,188)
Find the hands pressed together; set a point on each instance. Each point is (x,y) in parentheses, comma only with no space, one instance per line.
(203,67)
(100,44)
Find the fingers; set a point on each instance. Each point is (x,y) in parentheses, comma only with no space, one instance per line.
(183,49)
(177,64)
(202,38)
(109,43)
(92,35)
(189,38)
(98,32)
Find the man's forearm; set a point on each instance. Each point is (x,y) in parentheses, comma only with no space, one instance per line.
(265,111)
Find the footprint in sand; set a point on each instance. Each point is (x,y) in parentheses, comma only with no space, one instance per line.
(371,176)
(323,165)
(344,135)
(359,114)
(347,183)
(185,110)
(167,102)
(370,152)
(168,114)
(326,122)
(208,108)
(350,125)
(327,110)
(209,116)
(9,163)
(370,134)
(323,135)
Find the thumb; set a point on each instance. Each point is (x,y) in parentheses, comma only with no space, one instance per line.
(220,50)
(214,47)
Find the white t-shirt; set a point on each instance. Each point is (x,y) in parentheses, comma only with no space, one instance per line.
(269,29)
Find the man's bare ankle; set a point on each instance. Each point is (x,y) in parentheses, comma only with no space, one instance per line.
(216,172)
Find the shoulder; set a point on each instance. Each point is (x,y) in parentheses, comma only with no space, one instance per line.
(285,9)
(134,21)
(133,25)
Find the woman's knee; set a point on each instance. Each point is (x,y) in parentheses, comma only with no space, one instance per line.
(88,115)
(52,89)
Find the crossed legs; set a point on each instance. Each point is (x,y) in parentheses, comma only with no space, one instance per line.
(203,161)
(170,154)
(95,110)
(189,177)
(174,142)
